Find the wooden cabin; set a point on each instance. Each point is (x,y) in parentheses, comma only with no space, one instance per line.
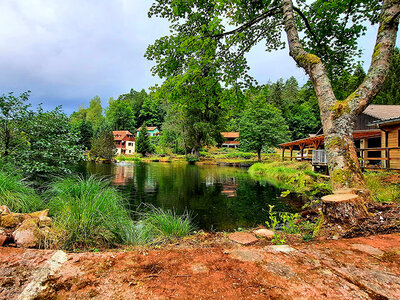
(376,138)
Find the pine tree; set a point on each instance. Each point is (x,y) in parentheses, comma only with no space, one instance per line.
(143,145)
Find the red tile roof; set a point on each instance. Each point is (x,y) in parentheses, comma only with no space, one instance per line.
(122,135)
(231,135)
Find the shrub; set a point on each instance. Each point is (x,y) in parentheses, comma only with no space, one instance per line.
(191,158)
(17,194)
(91,211)
(157,225)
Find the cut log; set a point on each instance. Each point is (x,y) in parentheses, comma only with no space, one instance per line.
(343,208)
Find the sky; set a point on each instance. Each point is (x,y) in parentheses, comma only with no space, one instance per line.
(66,52)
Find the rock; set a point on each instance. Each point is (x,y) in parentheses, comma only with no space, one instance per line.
(243,238)
(28,234)
(280,248)
(247,255)
(4,210)
(265,233)
(3,237)
(38,214)
(45,222)
(12,220)
(367,249)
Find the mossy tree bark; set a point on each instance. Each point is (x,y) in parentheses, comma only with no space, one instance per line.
(338,116)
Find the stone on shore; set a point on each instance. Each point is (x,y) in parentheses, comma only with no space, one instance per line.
(28,234)
(265,233)
(243,238)
(4,210)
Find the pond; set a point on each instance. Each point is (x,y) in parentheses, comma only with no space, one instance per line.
(218,198)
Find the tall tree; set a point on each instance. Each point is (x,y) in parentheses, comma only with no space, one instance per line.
(262,125)
(329,31)
(120,116)
(94,113)
(143,144)
(13,113)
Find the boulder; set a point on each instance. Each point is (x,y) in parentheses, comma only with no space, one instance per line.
(265,233)
(38,214)
(4,210)
(28,234)
(45,222)
(11,220)
(3,237)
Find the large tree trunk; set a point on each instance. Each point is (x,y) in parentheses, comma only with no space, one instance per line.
(338,117)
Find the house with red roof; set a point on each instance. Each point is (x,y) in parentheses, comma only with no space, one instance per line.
(231,139)
(124,142)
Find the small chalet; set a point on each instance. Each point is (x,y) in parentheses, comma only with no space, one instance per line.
(231,139)
(124,142)
(376,137)
(151,131)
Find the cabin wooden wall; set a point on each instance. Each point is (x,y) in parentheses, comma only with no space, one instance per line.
(392,141)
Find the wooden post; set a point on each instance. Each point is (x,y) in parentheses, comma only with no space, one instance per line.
(291,152)
(283,153)
(302,146)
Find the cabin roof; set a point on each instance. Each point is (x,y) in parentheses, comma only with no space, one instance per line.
(149,128)
(316,140)
(393,121)
(120,135)
(230,134)
(382,112)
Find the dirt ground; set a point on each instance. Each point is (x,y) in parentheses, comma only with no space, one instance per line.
(210,268)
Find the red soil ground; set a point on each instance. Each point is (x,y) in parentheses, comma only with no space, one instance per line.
(359,268)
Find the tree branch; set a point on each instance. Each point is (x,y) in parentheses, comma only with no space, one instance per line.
(247,25)
(379,68)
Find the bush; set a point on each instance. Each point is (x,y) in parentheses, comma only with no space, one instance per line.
(91,211)
(17,194)
(157,225)
(191,158)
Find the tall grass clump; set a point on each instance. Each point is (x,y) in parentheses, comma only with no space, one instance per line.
(384,186)
(157,225)
(91,211)
(17,194)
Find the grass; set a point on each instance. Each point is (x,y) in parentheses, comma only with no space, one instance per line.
(135,158)
(299,177)
(17,194)
(384,186)
(91,212)
(294,176)
(156,225)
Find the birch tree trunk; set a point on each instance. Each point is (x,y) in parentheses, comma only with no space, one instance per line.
(338,116)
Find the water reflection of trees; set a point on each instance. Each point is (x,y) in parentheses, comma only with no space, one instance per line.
(221,198)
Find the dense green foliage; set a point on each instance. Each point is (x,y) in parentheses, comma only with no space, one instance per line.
(40,143)
(390,92)
(261,126)
(17,195)
(103,146)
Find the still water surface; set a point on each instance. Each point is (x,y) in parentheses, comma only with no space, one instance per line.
(219,198)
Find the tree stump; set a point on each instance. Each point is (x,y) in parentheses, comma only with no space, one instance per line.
(344,209)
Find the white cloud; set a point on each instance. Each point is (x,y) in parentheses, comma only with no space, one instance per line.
(66,52)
